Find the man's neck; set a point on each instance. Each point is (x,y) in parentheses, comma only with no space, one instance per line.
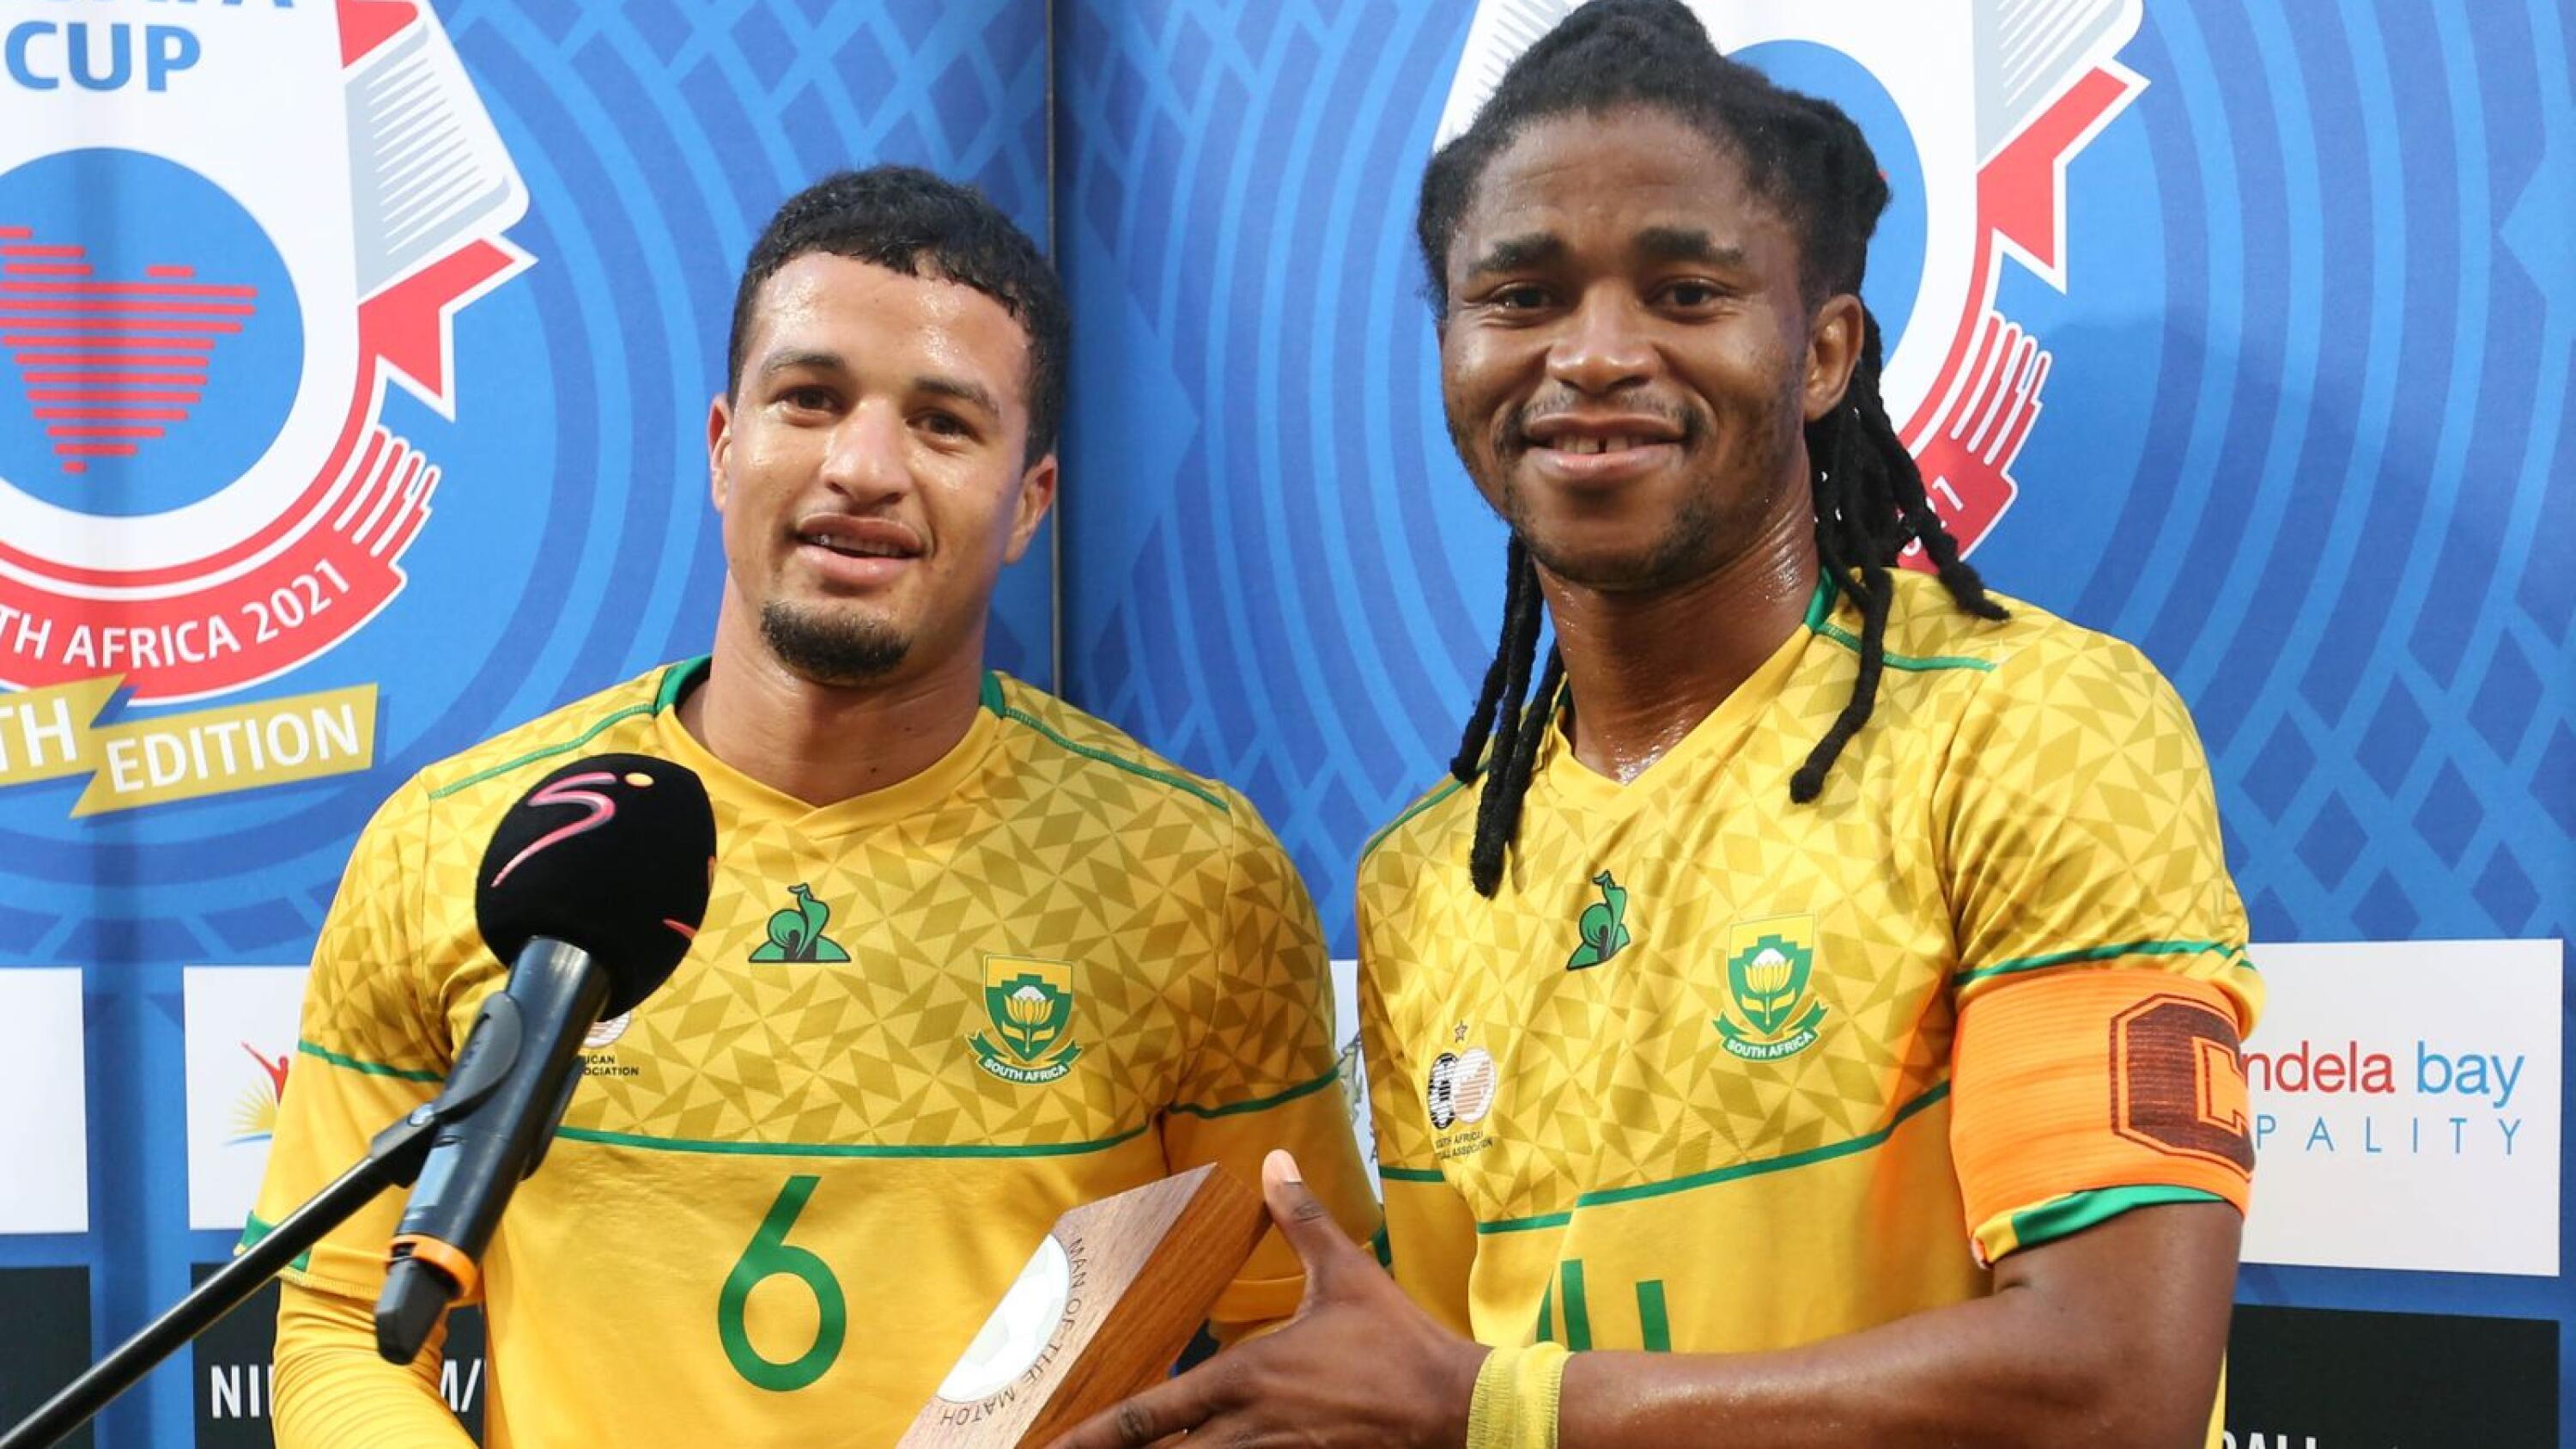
(1646,668)
(820,744)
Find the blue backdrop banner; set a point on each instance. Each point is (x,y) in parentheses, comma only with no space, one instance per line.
(2241,332)
(354,369)
(354,365)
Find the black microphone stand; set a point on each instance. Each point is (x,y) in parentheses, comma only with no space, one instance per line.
(393,1160)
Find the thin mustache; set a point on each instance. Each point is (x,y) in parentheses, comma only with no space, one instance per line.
(1516,427)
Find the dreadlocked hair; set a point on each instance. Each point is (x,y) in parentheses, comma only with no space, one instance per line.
(1807,160)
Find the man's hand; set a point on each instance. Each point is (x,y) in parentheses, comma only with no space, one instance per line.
(1358,1365)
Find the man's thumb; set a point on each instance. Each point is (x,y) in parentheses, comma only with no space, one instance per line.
(1303,1219)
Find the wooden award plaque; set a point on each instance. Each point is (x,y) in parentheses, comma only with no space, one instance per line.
(1104,1306)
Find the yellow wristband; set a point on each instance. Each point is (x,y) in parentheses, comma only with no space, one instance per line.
(1516,1396)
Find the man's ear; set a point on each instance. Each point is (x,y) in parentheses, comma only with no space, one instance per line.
(1833,351)
(719,449)
(1037,495)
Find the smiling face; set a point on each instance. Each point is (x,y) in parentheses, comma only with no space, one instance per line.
(1627,359)
(870,469)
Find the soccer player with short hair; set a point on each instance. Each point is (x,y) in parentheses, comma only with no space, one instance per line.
(1820,1025)
(972,957)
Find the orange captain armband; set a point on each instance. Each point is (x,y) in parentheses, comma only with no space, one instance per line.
(2079,1095)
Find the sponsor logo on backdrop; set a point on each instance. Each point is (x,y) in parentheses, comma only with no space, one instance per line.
(241,1024)
(255,1111)
(225,232)
(2302,1378)
(45,1188)
(1978,171)
(1352,1065)
(2400,1092)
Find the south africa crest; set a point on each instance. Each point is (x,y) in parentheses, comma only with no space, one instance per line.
(1770,968)
(1029,1003)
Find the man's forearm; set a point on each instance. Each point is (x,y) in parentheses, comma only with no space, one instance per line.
(2099,1340)
(331,1390)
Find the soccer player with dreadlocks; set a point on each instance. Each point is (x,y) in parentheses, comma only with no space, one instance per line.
(1827,981)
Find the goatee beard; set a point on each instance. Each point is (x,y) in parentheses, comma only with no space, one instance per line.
(835,652)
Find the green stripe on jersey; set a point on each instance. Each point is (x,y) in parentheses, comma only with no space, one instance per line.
(1426,802)
(2063,1216)
(373,1069)
(542,752)
(254,1230)
(2111,952)
(1605,1197)
(994,701)
(675,682)
(847,1149)
(677,679)
(1820,618)
(1260,1104)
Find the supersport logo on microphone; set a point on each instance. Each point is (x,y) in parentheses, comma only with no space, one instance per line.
(581,792)
(562,792)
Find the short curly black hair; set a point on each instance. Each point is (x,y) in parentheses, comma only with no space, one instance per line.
(907,220)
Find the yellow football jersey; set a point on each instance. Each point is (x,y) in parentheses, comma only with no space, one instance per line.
(1687,1081)
(915,1027)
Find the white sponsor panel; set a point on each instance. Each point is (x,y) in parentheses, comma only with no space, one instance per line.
(241,1024)
(44,1140)
(2405,1101)
(1346,1030)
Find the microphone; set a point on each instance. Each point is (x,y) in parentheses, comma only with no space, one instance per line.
(592,888)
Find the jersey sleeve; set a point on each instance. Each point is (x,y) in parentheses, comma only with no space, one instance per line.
(331,1390)
(2103,984)
(371,1047)
(1265,1072)
(1430,1236)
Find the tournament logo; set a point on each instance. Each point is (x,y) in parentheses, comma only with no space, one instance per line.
(1974,108)
(796,934)
(241,1045)
(1603,926)
(1030,1004)
(1769,965)
(1350,1071)
(225,233)
(255,1111)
